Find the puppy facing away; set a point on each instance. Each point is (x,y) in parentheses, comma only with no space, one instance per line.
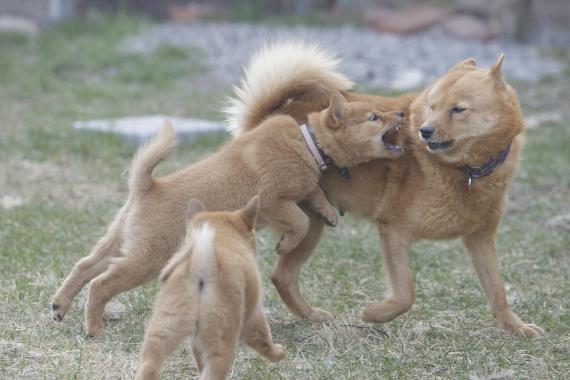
(210,291)
(273,161)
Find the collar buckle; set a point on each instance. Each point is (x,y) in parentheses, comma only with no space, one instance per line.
(321,158)
(487,169)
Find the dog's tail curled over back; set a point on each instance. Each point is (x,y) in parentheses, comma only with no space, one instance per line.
(280,73)
(150,155)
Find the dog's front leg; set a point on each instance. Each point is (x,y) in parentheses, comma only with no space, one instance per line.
(322,207)
(285,275)
(481,248)
(400,280)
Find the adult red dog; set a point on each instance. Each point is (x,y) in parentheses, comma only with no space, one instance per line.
(463,141)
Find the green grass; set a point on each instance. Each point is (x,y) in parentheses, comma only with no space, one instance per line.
(70,185)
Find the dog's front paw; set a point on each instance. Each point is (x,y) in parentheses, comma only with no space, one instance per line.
(384,311)
(319,315)
(529,330)
(514,325)
(279,352)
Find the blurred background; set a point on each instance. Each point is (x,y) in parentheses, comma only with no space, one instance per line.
(73,70)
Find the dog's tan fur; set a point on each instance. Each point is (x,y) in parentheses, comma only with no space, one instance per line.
(422,195)
(272,161)
(210,291)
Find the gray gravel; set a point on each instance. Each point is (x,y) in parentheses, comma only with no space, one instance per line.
(368,58)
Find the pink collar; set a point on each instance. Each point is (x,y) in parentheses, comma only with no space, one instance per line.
(312,145)
(321,158)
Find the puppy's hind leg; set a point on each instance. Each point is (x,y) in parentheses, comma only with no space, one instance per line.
(285,274)
(218,361)
(257,334)
(170,324)
(90,266)
(126,273)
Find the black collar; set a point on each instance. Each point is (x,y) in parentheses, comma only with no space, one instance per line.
(328,160)
(488,168)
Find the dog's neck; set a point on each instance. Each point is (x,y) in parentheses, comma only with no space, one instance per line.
(318,150)
(473,172)
(325,136)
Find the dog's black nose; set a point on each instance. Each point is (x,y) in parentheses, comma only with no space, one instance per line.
(400,114)
(427,131)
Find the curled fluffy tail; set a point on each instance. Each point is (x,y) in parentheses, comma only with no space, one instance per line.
(150,155)
(277,73)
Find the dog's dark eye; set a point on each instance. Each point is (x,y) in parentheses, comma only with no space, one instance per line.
(373,117)
(456,110)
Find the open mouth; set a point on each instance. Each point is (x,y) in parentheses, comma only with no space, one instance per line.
(440,145)
(389,146)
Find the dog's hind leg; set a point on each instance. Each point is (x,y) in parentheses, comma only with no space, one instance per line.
(217,337)
(169,325)
(400,280)
(482,250)
(90,266)
(285,275)
(257,334)
(218,359)
(125,273)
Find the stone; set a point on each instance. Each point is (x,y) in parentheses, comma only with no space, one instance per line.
(140,128)
(537,120)
(185,13)
(480,8)
(561,222)
(470,27)
(405,20)
(8,201)
(408,79)
(114,311)
(14,24)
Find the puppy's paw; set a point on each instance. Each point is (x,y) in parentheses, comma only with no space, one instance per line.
(278,245)
(285,245)
(328,216)
(279,352)
(57,312)
(319,315)
(95,332)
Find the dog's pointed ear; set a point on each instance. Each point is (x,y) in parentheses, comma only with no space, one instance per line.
(468,63)
(336,111)
(496,71)
(249,213)
(195,207)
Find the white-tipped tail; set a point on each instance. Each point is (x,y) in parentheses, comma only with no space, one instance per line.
(203,257)
(277,73)
(150,155)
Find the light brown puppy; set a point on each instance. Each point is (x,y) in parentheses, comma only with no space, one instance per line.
(210,291)
(467,123)
(272,161)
